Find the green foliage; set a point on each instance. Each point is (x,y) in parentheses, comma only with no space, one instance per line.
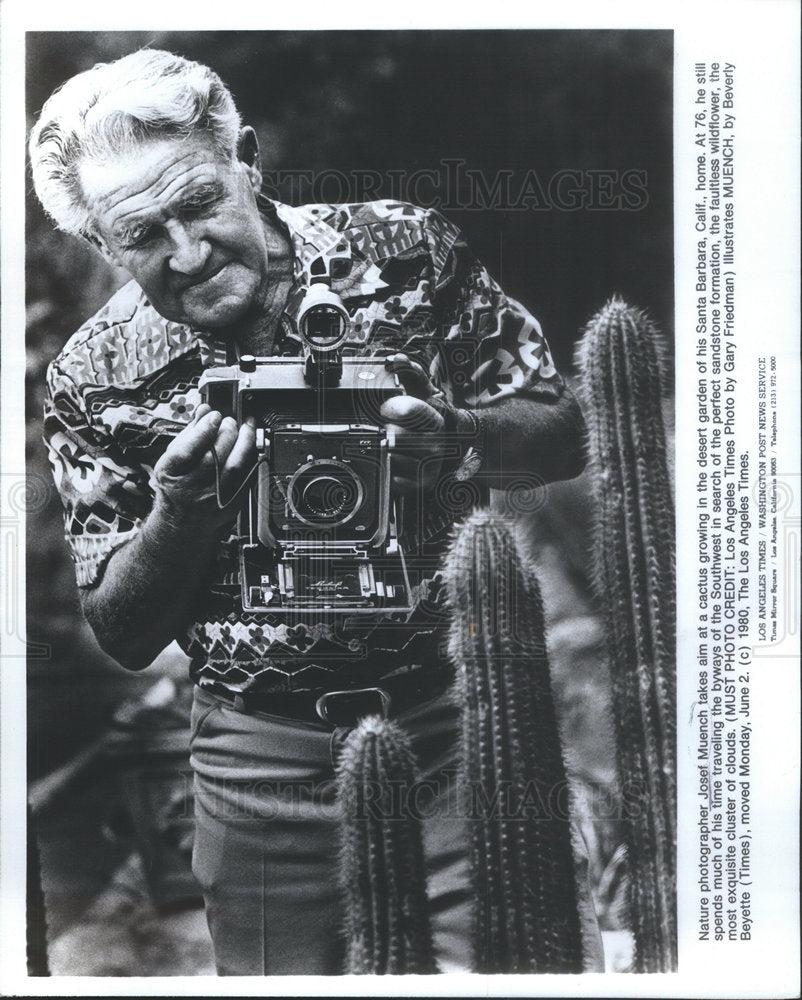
(621,368)
(522,865)
(382,871)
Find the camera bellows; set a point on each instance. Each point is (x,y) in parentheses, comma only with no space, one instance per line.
(382,869)
(620,369)
(512,776)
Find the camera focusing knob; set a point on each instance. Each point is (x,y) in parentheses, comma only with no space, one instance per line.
(247,363)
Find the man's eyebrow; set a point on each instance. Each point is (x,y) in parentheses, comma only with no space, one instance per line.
(126,231)
(205,190)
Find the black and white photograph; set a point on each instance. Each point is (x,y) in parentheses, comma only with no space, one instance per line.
(389,422)
(306,292)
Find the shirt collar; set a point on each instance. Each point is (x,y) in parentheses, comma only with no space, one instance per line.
(352,275)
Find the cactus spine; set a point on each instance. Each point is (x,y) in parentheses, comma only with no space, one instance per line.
(522,869)
(382,869)
(635,581)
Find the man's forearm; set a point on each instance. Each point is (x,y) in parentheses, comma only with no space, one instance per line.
(150,588)
(522,435)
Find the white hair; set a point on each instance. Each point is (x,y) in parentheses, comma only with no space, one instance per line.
(110,110)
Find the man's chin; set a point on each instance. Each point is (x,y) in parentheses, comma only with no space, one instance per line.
(213,315)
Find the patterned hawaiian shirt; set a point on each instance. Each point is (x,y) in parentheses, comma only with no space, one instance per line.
(127,382)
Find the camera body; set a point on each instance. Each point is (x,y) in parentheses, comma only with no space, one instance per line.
(318,531)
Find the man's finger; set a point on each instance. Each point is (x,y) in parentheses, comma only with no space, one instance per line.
(188,448)
(406,467)
(411,443)
(226,439)
(201,411)
(411,374)
(412,413)
(242,454)
(405,485)
(418,467)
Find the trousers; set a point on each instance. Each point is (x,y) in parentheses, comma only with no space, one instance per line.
(266,851)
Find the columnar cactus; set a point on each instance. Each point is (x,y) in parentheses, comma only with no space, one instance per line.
(382,869)
(620,370)
(522,866)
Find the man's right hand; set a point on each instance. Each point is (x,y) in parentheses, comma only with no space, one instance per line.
(184,476)
(152,586)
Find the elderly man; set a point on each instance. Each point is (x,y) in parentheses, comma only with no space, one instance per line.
(147,159)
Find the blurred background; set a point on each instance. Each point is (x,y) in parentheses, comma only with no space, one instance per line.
(341,116)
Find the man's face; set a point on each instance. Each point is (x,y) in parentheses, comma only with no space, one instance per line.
(185,225)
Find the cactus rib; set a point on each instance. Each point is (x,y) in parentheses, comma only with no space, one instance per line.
(382,867)
(521,854)
(634,573)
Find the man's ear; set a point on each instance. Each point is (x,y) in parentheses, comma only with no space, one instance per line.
(248,155)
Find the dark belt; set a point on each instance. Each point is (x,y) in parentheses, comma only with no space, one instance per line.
(389,697)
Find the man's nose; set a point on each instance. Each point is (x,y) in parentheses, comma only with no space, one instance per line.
(189,252)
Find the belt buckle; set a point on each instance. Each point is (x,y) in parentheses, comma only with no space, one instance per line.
(323,707)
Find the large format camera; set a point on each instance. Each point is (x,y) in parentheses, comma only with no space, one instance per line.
(319,530)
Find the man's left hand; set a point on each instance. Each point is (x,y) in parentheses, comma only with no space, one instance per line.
(419,427)
(419,443)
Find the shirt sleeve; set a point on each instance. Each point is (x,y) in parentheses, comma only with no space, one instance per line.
(492,347)
(105,500)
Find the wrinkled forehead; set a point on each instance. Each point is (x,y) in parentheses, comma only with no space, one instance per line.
(149,177)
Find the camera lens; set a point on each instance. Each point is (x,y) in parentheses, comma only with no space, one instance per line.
(323,326)
(327,497)
(325,493)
